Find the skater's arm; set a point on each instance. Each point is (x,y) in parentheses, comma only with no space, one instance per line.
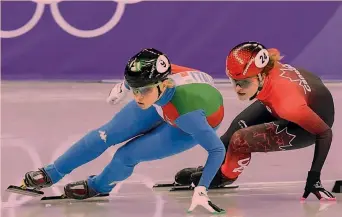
(195,123)
(304,116)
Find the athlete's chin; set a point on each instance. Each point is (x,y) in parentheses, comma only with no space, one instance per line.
(143,105)
(243,96)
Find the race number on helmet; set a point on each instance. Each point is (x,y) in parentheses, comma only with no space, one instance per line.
(246,60)
(147,67)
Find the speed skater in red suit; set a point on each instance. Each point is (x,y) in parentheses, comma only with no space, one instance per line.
(293,109)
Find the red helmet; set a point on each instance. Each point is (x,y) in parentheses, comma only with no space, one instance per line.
(246,60)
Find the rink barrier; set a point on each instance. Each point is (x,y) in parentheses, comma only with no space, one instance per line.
(227,81)
(115,81)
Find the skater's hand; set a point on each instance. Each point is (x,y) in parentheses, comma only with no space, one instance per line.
(118,93)
(200,197)
(314,185)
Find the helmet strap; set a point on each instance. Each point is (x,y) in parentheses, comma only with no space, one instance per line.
(159,91)
(260,85)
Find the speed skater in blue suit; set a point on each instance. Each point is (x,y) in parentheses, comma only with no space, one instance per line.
(174,109)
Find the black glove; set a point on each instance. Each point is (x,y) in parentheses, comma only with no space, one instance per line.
(314,185)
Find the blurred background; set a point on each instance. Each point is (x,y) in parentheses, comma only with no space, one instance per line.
(92,40)
(60,58)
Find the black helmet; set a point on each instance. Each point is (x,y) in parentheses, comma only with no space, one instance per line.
(149,66)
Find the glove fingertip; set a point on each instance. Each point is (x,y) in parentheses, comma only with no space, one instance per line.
(220,212)
(302,200)
(328,199)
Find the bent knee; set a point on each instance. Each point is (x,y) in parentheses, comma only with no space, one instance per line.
(238,142)
(126,157)
(236,125)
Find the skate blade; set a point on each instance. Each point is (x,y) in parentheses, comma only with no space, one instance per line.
(24,191)
(190,188)
(64,197)
(163,185)
(225,187)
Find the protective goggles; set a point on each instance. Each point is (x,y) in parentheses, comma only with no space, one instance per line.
(244,83)
(144,90)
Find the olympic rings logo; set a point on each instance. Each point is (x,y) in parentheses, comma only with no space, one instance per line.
(59,19)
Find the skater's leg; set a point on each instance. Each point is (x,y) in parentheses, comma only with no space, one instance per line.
(254,114)
(162,142)
(269,137)
(126,124)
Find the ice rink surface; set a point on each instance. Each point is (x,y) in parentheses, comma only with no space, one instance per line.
(40,120)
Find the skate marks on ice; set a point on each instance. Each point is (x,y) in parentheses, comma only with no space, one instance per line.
(133,204)
(23,206)
(139,193)
(18,143)
(246,202)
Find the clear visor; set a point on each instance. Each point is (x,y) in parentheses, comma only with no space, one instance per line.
(244,83)
(144,90)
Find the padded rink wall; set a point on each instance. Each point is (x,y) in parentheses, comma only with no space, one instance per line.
(91,41)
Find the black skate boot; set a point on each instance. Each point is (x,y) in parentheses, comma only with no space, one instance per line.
(79,190)
(37,179)
(183,177)
(219,180)
(32,183)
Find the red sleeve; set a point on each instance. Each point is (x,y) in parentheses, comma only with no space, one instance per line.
(177,69)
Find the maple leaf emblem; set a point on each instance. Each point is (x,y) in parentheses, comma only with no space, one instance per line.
(294,75)
(281,137)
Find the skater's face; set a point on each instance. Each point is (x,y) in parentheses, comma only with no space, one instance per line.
(246,88)
(145,97)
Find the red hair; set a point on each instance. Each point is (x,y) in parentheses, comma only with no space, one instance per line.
(275,57)
(274,54)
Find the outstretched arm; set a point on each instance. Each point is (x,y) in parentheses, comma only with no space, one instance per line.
(301,114)
(195,123)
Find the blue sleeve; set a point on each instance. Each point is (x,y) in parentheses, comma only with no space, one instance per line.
(196,124)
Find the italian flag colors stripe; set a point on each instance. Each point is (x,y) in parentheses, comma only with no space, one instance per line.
(192,97)
(170,113)
(216,118)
